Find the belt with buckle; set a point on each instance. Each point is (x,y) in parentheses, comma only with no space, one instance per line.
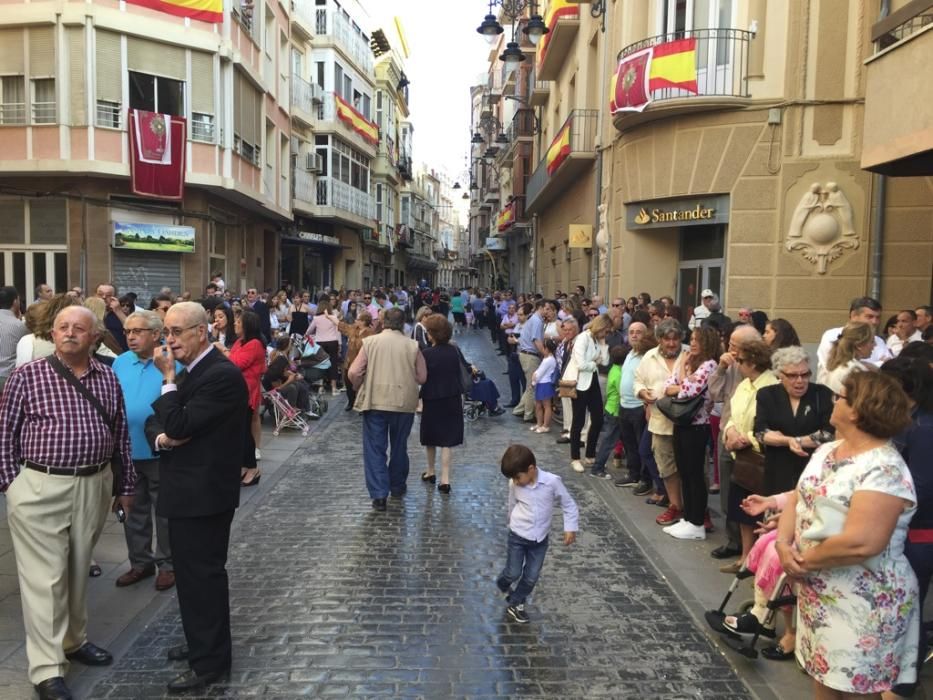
(89,470)
(529,352)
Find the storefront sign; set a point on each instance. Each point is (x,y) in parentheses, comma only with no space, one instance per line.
(159,237)
(580,236)
(319,238)
(496,244)
(677,212)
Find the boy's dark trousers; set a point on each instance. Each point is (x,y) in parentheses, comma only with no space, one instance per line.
(524,562)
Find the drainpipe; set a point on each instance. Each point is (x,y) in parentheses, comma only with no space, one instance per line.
(878,218)
(82,266)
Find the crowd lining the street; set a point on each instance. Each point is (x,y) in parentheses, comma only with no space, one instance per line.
(824,481)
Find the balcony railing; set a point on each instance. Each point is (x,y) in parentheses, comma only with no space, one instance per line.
(327,111)
(303,11)
(340,195)
(721,62)
(335,25)
(558,167)
(304,94)
(902,23)
(12,113)
(303,185)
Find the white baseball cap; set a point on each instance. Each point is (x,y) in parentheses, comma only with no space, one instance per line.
(706,293)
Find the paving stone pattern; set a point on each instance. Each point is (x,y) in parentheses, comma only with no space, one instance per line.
(330,598)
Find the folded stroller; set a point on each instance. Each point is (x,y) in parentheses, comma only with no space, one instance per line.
(286,415)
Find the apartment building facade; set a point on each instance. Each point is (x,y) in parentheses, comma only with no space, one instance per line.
(758,175)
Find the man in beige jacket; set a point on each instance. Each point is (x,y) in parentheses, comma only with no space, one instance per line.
(657,365)
(386,375)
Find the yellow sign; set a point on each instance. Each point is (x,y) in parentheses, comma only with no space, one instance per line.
(656,216)
(580,236)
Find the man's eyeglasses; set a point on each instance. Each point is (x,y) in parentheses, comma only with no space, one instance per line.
(798,376)
(137,331)
(176,332)
(617,305)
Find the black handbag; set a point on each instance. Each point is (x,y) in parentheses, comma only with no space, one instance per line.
(466,373)
(680,411)
(748,471)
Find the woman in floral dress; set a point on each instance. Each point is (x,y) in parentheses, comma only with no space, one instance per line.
(857,599)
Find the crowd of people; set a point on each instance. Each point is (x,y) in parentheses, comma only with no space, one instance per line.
(683,403)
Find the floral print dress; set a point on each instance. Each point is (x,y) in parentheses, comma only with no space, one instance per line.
(858,628)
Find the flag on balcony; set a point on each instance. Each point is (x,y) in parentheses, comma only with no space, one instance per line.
(629,86)
(506,217)
(556,10)
(356,121)
(559,149)
(204,10)
(157,154)
(674,65)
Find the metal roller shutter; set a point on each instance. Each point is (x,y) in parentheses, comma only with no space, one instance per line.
(202,82)
(42,52)
(76,52)
(155,58)
(11,52)
(109,70)
(145,273)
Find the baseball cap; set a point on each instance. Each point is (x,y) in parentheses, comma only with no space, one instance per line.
(707,293)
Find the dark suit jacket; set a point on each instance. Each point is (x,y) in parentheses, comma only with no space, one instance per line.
(202,477)
(262,309)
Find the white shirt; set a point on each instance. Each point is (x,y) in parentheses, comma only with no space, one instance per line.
(895,344)
(879,354)
(532,507)
(699,313)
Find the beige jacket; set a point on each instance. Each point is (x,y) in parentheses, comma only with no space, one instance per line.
(652,373)
(388,371)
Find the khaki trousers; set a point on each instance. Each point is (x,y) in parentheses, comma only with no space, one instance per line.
(55,522)
(526,407)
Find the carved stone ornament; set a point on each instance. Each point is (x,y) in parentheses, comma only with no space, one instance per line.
(822,226)
(602,239)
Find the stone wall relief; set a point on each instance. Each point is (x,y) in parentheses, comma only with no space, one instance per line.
(602,235)
(822,226)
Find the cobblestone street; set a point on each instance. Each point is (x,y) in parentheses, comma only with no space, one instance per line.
(330,598)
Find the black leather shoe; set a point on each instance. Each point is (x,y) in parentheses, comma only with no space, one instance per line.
(399,493)
(90,655)
(179,653)
(189,680)
(379,504)
(725,552)
(563,440)
(54,689)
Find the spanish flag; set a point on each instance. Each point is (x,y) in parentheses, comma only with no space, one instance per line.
(559,149)
(506,217)
(674,65)
(356,121)
(556,10)
(204,10)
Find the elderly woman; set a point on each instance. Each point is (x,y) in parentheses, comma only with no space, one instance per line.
(754,362)
(690,380)
(589,351)
(791,419)
(854,345)
(857,601)
(360,328)
(441,395)
(419,332)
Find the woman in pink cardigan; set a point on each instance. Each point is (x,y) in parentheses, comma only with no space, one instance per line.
(325,328)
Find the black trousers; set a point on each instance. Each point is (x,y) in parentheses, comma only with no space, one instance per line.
(590,400)
(690,455)
(199,552)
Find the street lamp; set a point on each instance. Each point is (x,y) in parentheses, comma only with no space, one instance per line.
(533,30)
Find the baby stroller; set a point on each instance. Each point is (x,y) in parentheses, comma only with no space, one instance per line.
(781,596)
(286,415)
(313,364)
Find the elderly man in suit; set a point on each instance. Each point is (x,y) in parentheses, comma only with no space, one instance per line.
(195,426)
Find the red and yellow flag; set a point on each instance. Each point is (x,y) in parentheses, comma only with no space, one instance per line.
(556,10)
(204,10)
(356,121)
(506,217)
(674,65)
(559,149)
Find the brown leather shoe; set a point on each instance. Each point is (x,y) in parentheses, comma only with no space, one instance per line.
(134,576)
(165,580)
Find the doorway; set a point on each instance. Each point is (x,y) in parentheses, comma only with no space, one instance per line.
(702,261)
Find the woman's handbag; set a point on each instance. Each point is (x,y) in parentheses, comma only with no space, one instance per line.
(567,385)
(829,519)
(680,411)
(749,470)
(466,373)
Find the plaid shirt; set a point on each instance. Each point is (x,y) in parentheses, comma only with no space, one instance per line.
(44,420)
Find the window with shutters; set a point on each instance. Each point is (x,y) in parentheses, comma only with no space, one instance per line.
(379,202)
(157,94)
(109,82)
(202,97)
(43,101)
(247,131)
(12,99)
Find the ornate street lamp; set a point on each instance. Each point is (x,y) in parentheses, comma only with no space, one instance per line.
(533,30)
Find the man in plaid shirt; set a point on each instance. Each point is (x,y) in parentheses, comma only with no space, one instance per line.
(55,454)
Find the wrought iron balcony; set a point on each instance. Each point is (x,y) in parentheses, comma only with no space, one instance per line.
(338,195)
(570,154)
(336,26)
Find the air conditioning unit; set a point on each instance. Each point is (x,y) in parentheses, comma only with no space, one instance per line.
(315,163)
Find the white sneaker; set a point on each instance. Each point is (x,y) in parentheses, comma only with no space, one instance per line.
(577,466)
(258,454)
(685,530)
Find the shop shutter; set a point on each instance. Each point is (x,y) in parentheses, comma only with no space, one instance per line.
(109,68)
(11,52)
(42,52)
(75,47)
(154,58)
(145,273)
(202,82)
(12,221)
(48,222)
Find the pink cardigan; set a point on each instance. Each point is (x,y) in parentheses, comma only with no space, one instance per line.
(323,329)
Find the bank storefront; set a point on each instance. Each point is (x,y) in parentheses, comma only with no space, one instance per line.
(308,260)
(689,234)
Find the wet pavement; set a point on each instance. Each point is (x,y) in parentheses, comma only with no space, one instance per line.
(329,598)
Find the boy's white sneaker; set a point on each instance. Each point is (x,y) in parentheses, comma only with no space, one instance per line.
(577,466)
(685,530)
